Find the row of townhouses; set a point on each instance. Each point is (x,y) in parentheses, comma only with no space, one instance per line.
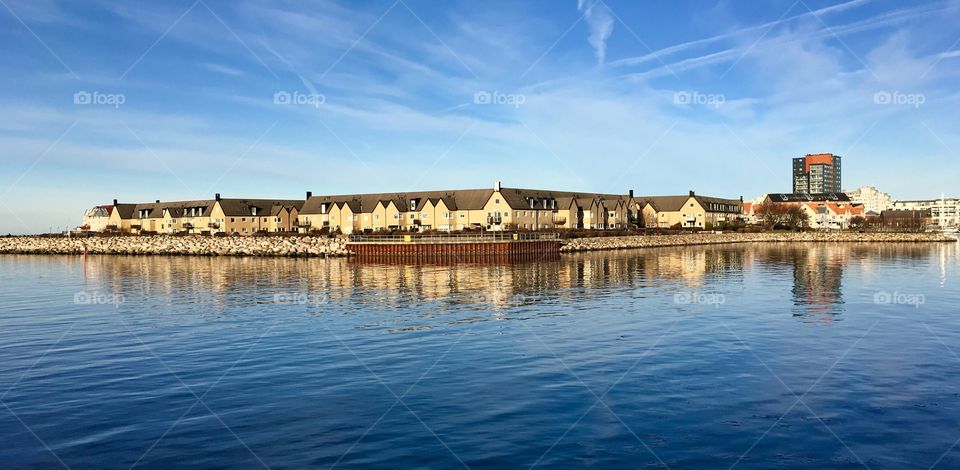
(496,208)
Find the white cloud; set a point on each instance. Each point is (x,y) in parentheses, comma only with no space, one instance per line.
(600,22)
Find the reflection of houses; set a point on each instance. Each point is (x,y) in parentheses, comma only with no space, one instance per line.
(690,211)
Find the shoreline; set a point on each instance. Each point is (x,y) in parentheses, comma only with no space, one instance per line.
(307,246)
(701,239)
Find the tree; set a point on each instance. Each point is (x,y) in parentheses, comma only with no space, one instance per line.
(782,216)
(858,222)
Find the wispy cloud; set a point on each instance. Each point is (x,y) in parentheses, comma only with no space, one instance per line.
(735,34)
(600,22)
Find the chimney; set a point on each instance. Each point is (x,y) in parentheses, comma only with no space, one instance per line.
(216,196)
(692,193)
(309,194)
(496,186)
(114,202)
(630,193)
(158,201)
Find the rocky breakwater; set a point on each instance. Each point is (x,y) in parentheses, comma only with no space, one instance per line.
(652,241)
(169,245)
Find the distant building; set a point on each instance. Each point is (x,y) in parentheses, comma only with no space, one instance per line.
(832,211)
(816,173)
(906,218)
(872,200)
(821,197)
(944,211)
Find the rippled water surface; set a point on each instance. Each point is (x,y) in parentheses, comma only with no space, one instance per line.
(753,356)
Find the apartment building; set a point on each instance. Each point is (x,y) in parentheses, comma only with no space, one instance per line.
(944,212)
(816,173)
(874,201)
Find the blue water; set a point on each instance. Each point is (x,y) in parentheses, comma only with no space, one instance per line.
(754,356)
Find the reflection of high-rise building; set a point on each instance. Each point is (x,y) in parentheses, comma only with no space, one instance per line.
(818,276)
(816,173)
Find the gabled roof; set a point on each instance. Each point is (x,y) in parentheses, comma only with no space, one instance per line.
(465,199)
(125,211)
(666,203)
(244,207)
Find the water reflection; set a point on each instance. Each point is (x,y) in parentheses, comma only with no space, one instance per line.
(497,289)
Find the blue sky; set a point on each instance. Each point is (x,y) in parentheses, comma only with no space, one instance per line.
(181,99)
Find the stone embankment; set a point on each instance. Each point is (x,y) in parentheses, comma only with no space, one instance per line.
(329,247)
(652,241)
(168,245)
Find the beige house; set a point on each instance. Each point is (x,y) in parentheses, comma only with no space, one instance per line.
(690,211)
(110,218)
(497,208)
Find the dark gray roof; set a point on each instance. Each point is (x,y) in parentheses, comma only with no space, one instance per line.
(820,197)
(243,207)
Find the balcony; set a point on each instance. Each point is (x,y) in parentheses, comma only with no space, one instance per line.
(213,225)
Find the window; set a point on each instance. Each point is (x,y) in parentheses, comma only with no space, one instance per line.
(233,220)
(376,216)
(446,215)
(423,215)
(413,216)
(463,216)
(496,201)
(243,219)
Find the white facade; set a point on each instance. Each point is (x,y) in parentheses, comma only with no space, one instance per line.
(872,199)
(945,211)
